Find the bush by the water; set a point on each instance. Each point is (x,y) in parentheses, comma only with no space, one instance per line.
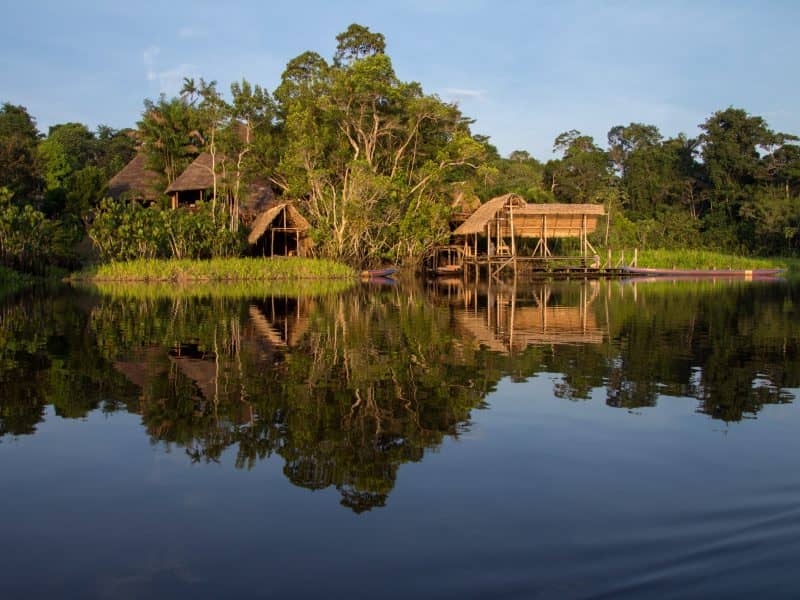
(123,230)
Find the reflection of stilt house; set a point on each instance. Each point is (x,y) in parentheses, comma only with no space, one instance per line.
(136,181)
(280,231)
(505,321)
(491,235)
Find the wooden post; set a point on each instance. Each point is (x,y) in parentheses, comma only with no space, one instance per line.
(545,249)
(583,235)
(174,200)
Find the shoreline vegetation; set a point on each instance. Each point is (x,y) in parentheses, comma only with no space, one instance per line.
(159,290)
(707,259)
(216,270)
(307,276)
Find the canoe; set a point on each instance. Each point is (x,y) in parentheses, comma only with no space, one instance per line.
(690,273)
(374,273)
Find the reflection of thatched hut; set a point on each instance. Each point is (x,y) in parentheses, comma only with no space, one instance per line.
(197,182)
(136,181)
(280,230)
(509,323)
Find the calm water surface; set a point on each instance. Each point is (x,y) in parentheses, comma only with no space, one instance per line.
(564,440)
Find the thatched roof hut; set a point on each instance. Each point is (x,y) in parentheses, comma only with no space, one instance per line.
(136,180)
(282,223)
(509,217)
(191,185)
(199,175)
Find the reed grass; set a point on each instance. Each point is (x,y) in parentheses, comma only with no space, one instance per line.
(157,290)
(687,258)
(216,269)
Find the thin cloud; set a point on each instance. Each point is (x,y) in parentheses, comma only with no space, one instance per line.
(169,79)
(464,93)
(149,56)
(189,31)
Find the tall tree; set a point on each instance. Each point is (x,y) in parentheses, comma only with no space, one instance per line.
(168,131)
(582,173)
(367,152)
(18,139)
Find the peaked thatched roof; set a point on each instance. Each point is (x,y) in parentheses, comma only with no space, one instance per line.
(264,220)
(476,223)
(198,176)
(135,178)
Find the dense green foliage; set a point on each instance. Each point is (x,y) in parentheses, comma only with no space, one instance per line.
(374,163)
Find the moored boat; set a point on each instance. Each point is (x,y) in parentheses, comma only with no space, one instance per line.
(376,273)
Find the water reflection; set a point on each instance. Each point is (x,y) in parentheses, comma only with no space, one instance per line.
(346,386)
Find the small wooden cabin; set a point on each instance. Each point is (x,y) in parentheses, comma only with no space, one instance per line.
(136,181)
(280,231)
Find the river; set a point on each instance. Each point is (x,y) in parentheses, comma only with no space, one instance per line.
(439,440)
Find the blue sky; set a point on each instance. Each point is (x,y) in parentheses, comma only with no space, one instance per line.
(526,71)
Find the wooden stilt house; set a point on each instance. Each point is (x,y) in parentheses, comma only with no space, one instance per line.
(491,234)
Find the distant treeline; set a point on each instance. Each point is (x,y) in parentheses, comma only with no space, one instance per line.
(375,163)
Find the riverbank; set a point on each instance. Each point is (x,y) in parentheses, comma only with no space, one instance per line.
(706,259)
(228,290)
(216,269)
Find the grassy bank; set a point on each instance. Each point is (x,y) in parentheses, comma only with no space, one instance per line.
(216,269)
(705,259)
(158,290)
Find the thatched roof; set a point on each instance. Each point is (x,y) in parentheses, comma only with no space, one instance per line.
(478,220)
(135,178)
(563,220)
(293,219)
(198,176)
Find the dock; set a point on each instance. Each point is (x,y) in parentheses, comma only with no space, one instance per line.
(509,235)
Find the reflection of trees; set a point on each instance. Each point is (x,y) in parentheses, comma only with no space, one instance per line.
(732,345)
(347,388)
(46,358)
(344,389)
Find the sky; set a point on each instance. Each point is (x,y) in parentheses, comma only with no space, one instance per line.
(524,70)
